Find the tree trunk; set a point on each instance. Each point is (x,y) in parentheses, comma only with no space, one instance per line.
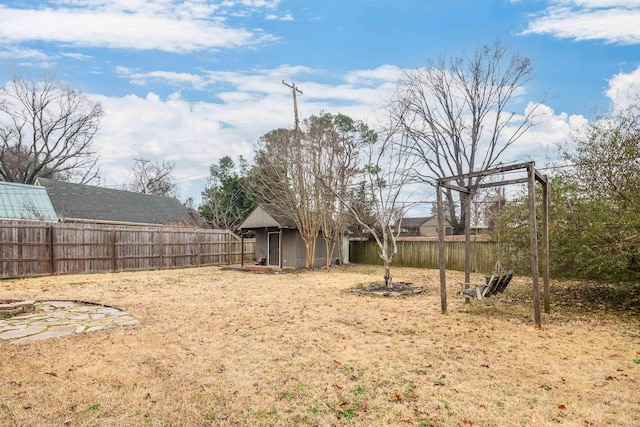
(311,252)
(388,282)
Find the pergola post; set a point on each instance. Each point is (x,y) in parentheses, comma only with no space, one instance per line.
(534,245)
(545,246)
(443,274)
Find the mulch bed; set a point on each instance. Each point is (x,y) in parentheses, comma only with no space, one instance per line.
(380,289)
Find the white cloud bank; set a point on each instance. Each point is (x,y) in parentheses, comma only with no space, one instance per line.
(613,21)
(172,26)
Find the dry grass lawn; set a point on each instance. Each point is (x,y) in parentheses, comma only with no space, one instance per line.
(222,347)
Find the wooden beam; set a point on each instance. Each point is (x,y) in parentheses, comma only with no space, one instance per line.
(502,183)
(487,172)
(540,178)
(455,187)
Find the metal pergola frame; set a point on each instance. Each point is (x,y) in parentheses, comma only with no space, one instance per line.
(532,177)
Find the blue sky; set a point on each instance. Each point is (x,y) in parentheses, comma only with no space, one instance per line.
(192,81)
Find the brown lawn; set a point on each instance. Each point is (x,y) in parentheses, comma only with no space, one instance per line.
(220,347)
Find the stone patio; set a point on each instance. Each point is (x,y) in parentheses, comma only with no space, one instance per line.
(58,318)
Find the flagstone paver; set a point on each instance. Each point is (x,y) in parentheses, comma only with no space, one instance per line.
(59,318)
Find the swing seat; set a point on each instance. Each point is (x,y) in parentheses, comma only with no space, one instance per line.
(495,284)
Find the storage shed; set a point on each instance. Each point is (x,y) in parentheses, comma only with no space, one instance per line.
(278,242)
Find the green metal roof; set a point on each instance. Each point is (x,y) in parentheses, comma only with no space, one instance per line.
(20,201)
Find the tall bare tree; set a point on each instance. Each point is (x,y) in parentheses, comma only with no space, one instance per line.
(458,115)
(152,177)
(337,140)
(47,129)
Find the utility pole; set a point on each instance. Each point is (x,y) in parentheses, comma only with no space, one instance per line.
(294,89)
(143,175)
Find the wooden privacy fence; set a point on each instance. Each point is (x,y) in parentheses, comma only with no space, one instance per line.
(40,248)
(424,254)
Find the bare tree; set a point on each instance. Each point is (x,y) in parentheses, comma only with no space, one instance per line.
(152,177)
(385,178)
(457,115)
(47,129)
(337,140)
(290,168)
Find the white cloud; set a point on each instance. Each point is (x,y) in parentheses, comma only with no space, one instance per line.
(273,17)
(120,30)
(382,73)
(624,88)
(196,134)
(78,56)
(550,131)
(170,77)
(168,25)
(15,52)
(614,21)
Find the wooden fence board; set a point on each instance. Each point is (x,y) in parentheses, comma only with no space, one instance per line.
(37,248)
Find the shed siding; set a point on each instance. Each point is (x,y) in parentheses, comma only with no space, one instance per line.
(259,219)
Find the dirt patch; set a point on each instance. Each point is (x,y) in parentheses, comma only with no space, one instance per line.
(227,348)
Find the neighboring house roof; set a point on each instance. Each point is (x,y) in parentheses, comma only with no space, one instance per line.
(265,215)
(414,222)
(78,201)
(21,201)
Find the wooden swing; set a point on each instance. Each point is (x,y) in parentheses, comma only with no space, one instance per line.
(533,177)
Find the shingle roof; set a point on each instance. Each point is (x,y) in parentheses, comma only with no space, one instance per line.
(80,201)
(20,201)
(414,222)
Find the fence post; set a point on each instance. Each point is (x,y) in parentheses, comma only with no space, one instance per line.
(160,249)
(198,260)
(52,258)
(114,255)
(228,247)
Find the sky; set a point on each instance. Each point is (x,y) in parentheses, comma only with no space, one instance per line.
(189,82)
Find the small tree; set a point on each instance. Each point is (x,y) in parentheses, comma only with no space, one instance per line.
(225,199)
(385,177)
(47,129)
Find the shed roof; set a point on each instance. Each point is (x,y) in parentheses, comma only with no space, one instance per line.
(266,215)
(21,201)
(78,201)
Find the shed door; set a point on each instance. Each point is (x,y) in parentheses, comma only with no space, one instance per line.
(274,249)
